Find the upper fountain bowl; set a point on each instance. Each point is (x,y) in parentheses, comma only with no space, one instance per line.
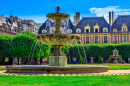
(58,16)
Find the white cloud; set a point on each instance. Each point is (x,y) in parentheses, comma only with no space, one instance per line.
(105,11)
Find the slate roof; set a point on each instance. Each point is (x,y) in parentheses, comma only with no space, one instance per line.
(2,19)
(102,23)
(118,22)
(46,25)
(66,24)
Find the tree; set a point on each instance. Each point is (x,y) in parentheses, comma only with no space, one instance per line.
(5,41)
(25,45)
(100,59)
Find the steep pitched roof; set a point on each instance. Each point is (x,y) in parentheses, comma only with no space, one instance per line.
(102,23)
(67,24)
(2,19)
(118,22)
(46,25)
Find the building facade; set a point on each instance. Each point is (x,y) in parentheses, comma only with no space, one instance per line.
(14,25)
(94,29)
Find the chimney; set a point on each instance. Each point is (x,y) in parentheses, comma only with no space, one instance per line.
(77,17)
(74,20)
(11,18)
(110,18)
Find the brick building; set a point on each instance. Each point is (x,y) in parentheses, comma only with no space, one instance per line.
(94,29)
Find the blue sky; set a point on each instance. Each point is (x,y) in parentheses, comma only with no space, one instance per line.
(37,9)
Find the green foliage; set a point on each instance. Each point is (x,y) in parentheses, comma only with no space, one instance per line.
(95,50)
(5,41)
(100,59)
(81,61)
(20,21)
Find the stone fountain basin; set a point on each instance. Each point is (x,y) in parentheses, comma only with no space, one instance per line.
(58,39)
(56,69)
(59,16)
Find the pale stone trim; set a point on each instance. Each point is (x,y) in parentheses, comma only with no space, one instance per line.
(96,27)
(78,29)
(68,30)
(44,30)
(104,29)
(124,26)
(86,27)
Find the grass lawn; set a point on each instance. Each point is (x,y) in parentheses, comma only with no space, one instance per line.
(113,80)
(2,68)
(111,66)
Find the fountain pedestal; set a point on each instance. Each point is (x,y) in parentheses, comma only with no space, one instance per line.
(60,61)
(58,58)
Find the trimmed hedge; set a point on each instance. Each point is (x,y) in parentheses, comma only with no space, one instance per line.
(95,50)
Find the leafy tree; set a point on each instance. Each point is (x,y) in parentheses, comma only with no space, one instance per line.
(5,41)
(24,43)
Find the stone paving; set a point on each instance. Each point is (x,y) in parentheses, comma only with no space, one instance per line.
(110,72)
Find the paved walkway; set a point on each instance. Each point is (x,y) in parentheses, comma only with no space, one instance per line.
(110,72)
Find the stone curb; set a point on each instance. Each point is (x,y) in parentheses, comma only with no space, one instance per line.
(35,74)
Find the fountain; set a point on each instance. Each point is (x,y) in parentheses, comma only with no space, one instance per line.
(57,40)
(58,60)
(115,55)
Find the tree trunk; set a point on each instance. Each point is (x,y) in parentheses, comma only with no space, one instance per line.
(40,61)
(3,60)
(22,61)
(10,61)
(26,60)
(18,61)
(30,61)
(35,61)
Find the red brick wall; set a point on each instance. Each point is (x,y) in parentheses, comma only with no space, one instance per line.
(6,32)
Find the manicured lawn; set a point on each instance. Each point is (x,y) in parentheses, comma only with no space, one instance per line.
(113,80)
(111,66)
(2,68)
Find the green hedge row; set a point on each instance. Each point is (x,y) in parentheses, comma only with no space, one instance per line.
(95,50)
(23,46)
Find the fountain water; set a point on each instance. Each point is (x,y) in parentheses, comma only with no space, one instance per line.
(58,60)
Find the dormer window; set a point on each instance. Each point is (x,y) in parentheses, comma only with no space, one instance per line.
(78,30)
(44,31)
(105,30)
(52,31)
(114,30)
(124,29)
(87,30)
(62,29)
(96,30)
(69,31)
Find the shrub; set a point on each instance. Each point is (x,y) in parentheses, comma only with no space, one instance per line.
(100,59)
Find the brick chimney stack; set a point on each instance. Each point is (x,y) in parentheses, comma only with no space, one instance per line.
(110,18)
(76,18)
